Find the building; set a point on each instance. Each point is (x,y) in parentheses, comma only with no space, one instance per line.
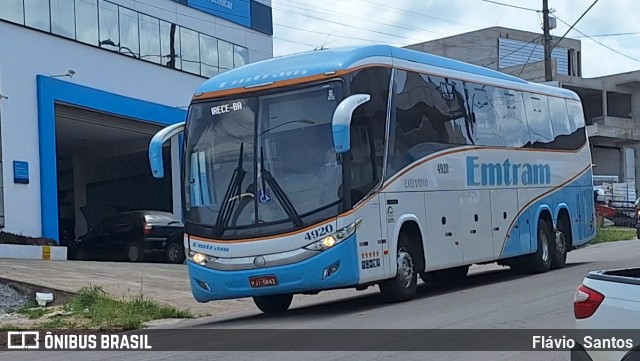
(85,84)
(611,103)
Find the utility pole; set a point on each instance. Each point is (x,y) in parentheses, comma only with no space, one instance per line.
(547,41)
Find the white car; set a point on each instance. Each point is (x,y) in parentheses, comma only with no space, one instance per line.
(608,300)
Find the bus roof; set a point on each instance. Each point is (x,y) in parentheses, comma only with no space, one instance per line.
(314,63)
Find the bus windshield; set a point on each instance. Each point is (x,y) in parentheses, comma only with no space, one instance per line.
(266,164)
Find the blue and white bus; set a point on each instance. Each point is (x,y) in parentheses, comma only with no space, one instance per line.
(354,167)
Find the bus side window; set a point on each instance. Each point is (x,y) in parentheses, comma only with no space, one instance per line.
(484,103)
(430,115)
(368,130)
(538,119)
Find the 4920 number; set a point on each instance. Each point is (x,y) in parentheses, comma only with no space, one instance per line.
(319,232)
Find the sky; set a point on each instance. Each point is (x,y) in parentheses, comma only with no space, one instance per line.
(301,25)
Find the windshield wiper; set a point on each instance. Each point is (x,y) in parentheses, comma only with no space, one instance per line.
(231,196)
(277,190)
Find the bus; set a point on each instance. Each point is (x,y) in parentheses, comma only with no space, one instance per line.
(373,165)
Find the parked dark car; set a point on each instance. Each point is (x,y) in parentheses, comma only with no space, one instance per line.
(133,235)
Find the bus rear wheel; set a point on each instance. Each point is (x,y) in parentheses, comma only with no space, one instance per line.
(540,261)
(273,303)
(404,285)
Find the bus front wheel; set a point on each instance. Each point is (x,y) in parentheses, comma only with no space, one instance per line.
(404,285)
(273,303)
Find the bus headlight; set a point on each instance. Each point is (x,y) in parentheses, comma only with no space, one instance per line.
(331,240)
(200,258)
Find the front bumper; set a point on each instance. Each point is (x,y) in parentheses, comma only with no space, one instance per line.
(208,284)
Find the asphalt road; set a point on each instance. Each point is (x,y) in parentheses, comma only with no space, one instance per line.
(491,297)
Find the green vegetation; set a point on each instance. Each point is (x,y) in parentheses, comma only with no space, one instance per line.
(93,308)
(613,234)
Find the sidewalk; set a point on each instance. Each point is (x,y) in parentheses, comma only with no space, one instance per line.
(164,283)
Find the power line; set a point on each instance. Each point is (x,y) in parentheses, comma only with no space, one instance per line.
(334,35)
(574,24)
(604,45)
(317,9)
(612,34)
(529,58)
(511,6)
(416,14)
(345,25)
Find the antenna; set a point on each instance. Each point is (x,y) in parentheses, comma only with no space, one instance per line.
(323,44)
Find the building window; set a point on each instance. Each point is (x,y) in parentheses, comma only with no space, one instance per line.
(87,21)
(62,18)
(150,39)
(129,36)
(208,56)
(190,54)
(225,50)
(36,15)
(109,34)
(170,45)
(12,10)
(120,29)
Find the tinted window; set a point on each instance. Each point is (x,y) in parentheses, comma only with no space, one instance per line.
(559,117)
(537,108)
(36,14)
(12,10)
(368,128)
(430,115)
(225,50)
(513,119)
(87,21)
(170,45)
(190,52)
(129,38)
(576,115)
(485,102)
(149,38)
(240,56)
(208,56)
(109,34)
(63,18)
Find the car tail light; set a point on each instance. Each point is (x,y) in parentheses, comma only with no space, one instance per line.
(147,228)
(586,301)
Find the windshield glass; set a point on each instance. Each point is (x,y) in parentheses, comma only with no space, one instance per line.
(262,162)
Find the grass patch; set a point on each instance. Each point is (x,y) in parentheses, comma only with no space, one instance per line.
(93,308)
(613,234)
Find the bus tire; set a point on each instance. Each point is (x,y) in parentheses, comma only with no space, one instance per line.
(273,303)
(560,245)
(404,285)
(540,261)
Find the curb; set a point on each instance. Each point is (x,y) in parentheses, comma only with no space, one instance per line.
(60,297)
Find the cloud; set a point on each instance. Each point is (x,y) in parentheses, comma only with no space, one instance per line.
(302,26)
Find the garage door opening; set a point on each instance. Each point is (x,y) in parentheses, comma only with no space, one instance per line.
(105,182)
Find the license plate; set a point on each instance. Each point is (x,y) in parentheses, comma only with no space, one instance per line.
(263,281)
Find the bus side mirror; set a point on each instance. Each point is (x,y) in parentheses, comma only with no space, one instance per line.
(341,123)
(155,147)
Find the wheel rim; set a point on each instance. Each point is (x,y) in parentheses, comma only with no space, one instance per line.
(173,253)
(405,268)
(545,246)
(133,253)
